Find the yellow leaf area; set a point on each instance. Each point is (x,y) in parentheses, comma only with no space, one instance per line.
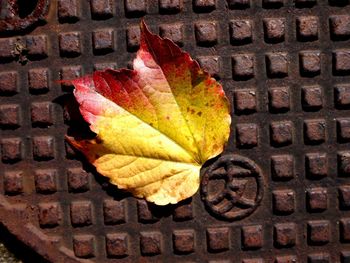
(155,125)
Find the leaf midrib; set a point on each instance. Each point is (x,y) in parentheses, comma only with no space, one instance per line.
(178,106)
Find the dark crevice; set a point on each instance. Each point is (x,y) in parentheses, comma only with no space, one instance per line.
(14,246)
(26,7)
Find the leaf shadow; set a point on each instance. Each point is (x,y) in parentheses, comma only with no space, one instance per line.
(209,163)
(110,189)
(161,211)
(78,128)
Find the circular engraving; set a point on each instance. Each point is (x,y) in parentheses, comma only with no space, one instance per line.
(18,15)
(232,187)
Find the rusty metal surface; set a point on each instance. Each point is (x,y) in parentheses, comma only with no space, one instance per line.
(285,66)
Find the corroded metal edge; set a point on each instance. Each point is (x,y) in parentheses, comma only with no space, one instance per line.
(48,247)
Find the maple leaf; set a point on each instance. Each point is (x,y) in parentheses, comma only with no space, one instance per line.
(155,125)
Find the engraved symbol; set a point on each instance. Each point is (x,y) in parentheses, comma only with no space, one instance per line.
(17,15)
(232,187)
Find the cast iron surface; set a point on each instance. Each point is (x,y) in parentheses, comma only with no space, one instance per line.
(285,66)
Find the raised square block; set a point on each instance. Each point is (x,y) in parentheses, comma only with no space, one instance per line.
(151,243)
(37,47)
(8,83)
(133,38)
(183,211)
(101,9)
(41,114)
(145,212)
(7,46)
(50,214)
(69,73)
(81,213)
(318,232)
(243,66)
(241,31)
(78,180)
(252,237)
(211,64)
(342,96)
(43,148)
(135,8)
(206,33)
(38,80)
(317,199)
(45,181)
(114,212)
(310,63)
(340,27)
(13,182)
(10,117)
(170,6)
(68,10)
(245,101)
(279,99)
(311,98)
(307,28)
(343,130)
(218,239)
(344,230)
(277,65)
(283,201)
(11,150)
(282,167)
(103,41)
(247,135)
(174,32)
(274,29)
(183,241)
(70,44)
(117,245)
(281,133)
(341,62)
(316,165)
(343,164)
(84,246)
(285,235)
(315,131)
(344,197)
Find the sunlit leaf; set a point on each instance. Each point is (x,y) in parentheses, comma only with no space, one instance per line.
(155,125)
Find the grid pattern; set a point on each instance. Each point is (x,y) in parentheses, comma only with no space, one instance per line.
(285,66)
